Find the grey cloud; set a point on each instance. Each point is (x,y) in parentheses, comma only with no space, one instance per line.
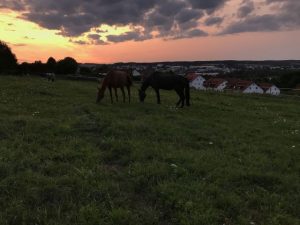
(192,34)
(286,18)
(95,39)
(207,5)
(73,18)
(211,21)
(12,4)
(128,36)
(94,36)
(246,9)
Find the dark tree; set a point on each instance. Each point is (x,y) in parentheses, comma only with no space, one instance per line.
(38,67)
(51,65)
(24,68)
(67,66)
(8,60)
(290,79)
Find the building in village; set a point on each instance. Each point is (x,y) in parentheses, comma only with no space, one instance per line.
(244,86)
(136,73)
(216,84)
(270,89)
(196,81)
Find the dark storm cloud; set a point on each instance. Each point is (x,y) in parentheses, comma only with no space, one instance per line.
(167,19)
(209,5)
(171,18)
(287,17)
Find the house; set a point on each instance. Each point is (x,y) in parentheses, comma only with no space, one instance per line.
(244,86)
(196,81)
(136,73)
(270,89)
(216,84)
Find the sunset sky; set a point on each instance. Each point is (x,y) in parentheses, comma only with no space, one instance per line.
(107,31)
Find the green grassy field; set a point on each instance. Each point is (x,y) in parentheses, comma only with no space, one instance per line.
(228,159)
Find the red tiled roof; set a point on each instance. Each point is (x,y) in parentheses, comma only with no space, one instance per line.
(191,76)
(214,82)
(265,86)
(237,84)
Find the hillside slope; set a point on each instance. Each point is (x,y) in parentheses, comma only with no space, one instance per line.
(228,159)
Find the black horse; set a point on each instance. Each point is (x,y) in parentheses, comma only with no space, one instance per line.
(167,81)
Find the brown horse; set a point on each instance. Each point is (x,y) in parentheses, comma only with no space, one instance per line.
(115,79)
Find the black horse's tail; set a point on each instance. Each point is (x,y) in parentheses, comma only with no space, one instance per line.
(187,92)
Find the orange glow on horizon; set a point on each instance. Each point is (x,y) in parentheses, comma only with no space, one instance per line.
(30,42)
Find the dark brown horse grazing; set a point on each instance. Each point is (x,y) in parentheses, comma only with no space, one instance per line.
(167,81)
(113,80)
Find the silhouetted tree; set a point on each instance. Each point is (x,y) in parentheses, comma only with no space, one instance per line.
(51,65)
(8,60)
(67,66)
(24,68)
(38,67)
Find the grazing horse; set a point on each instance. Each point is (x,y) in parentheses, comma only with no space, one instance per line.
(50,76)
(115,79)
(167,81)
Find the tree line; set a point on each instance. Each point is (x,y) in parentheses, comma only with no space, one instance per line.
(9,64)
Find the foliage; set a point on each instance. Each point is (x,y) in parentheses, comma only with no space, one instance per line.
(8,60)
(290,79)
(67,65)
(51,65)
(228,159)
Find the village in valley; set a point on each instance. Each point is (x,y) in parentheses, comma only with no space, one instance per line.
(232,76)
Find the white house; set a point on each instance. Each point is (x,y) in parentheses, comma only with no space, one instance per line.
(244,86)
(136,73)
(196,81)
(215,84)
(253,89)
(270,89)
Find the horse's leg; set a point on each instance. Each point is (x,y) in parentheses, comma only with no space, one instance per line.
(180,92)
(128,90)
(157,95)
(111,97)
(116,94)
(123,93)
(182,97)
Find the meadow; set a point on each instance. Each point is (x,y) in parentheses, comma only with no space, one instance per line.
(227,159)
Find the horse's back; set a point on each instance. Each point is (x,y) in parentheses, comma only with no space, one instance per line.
(117,78)
(168,81)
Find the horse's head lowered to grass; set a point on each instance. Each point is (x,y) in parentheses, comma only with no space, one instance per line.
(100,94)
